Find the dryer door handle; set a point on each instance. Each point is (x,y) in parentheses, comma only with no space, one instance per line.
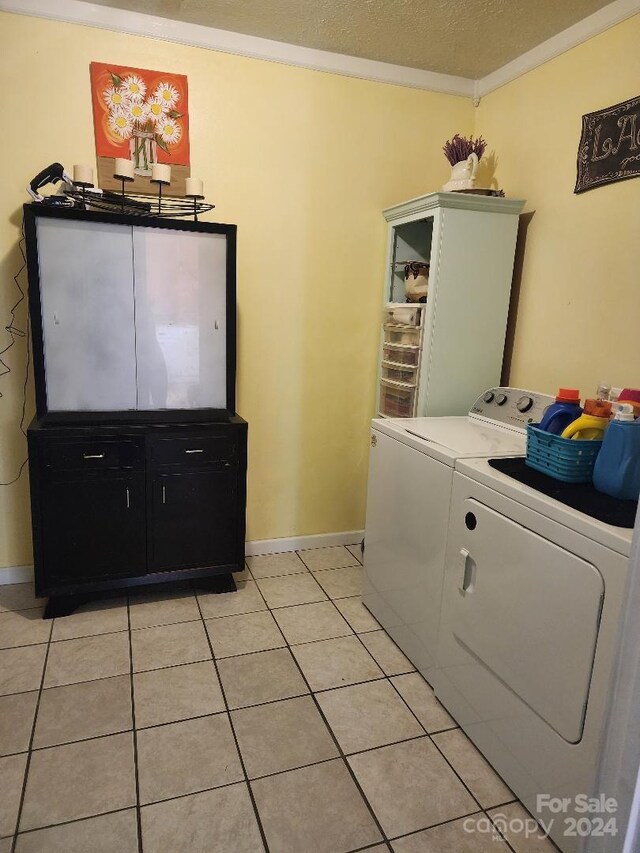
(468,565)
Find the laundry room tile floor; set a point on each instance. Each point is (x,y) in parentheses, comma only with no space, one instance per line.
(279,718)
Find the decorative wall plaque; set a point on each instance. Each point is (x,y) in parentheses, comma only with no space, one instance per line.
(609,147)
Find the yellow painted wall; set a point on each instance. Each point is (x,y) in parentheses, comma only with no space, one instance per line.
(303,162)
(578,312)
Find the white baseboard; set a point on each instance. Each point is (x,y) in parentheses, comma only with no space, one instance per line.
(298,543)
(24,574)
(16,574)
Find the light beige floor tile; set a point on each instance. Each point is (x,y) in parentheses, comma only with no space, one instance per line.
(340,583)
(164,608)
(95,617)
(182,758)
(176,693)
(474,770)
(11,778)
(239,635)
(356,551)
(334,557)
(420,697)
(290,590)
(5,845)
(16,720)
(368,715)
(521,830)
(169,645)
(86,659)
(260,677)
(410,786)
(317,809)
(305,623)
(79,780)
(273,565)
(246,599)
(85,710)
(220,820)
(357,615)
(467,835)
(336,663)
(387,654)
(23,628)
(109,833)
(19,596)
(21,669)
(281,736)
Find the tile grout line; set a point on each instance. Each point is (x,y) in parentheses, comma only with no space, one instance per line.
(27,766)
(233,731)
(135,731)
(338,747)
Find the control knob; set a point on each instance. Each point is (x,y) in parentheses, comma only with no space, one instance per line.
(488,397)
(501,399)
(524,404)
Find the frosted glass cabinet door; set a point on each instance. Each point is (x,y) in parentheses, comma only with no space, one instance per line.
(86,291)
(180,297)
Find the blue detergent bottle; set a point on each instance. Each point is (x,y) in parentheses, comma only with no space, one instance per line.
(617,468)
(563,412)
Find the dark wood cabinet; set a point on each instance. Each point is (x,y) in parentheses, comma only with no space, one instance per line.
(122,505)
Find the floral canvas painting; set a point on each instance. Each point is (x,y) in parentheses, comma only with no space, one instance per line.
(141,115)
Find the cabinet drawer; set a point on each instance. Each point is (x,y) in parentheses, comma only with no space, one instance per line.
(94,453)
(197,450)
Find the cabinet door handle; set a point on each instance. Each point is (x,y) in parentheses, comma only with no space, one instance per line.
(468,565)
(197,450)
(164,494)
(128,499)
(93,455)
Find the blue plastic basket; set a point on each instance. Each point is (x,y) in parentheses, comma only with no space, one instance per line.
(567,459)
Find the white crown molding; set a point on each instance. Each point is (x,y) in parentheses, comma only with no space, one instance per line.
(584,30)
(107,18)
(151,26)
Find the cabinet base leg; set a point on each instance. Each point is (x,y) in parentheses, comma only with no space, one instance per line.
(218,583)
(63,605)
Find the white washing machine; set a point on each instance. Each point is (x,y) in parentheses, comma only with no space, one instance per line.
(410,479)
(531,605)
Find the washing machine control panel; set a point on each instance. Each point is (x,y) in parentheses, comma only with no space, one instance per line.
(515,407)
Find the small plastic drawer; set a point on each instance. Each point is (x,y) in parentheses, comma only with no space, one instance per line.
(402,335)
(401,354)
(399,372)
(403,314)
(397,399)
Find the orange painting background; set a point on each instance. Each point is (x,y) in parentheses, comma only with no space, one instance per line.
(108,144)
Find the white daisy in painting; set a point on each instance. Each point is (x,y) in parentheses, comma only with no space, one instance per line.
(138,111)
(156,109)
(169,130)
(134,86)
(167,94)
(114,97)
(120,122)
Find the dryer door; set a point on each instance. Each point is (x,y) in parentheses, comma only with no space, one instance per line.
(529,610)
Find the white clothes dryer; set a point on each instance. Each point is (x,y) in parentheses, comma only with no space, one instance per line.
(533,591)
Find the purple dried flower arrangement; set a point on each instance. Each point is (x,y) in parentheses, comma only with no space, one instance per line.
(459,148)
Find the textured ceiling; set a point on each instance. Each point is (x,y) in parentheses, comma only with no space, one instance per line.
(469,38)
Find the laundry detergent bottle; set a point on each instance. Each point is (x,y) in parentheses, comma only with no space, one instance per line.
(564,411)
(592,424)
(617,468)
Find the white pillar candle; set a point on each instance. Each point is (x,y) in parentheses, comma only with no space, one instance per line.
(82,175)
(194,188)
(161,173)
(123,168)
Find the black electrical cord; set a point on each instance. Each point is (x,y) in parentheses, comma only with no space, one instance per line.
(15,332)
